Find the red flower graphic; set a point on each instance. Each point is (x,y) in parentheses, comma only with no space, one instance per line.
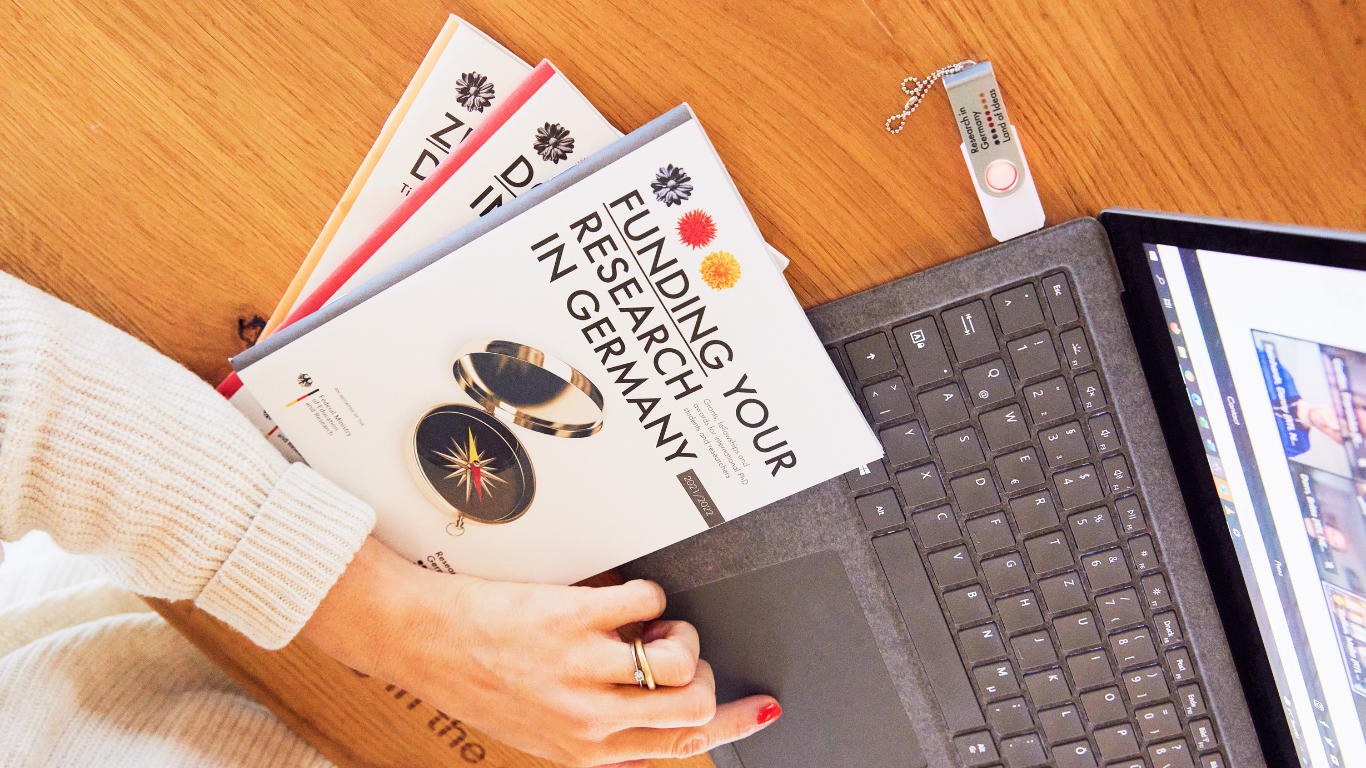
(696,229)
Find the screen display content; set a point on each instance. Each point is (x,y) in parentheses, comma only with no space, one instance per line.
(1273,354)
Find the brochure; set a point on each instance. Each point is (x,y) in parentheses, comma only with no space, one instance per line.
(463,77)
(601,367)
(543,127)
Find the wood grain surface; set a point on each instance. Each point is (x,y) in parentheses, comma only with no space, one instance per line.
(166,166)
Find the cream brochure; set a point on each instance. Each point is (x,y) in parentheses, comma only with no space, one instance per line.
(606,365)
(471,74)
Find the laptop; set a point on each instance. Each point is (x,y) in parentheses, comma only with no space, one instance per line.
(1120,519)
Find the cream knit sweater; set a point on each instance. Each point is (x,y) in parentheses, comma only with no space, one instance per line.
(128,459)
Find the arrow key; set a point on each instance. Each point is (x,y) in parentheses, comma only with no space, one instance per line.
(871,356)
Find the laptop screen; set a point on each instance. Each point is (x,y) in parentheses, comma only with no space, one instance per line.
(1273,354)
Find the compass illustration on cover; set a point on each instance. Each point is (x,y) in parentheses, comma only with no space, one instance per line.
(466,457)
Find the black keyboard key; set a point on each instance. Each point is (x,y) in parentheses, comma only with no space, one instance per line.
(871,356)
(1116,742)
(1171,754)
(967,605)
(943,407)
(1179,665)
(1103,432)
(1034,650)
(1048,552)
(1092,529)
(1076,631)
(923,351)
(1090,669)
(1022,751)
(1134,763)
(880,510)
(1061,724)
(1034,512)
(1019,612)
(1017,309)
(1063,592)
(867,476)
(904,443)
(975,492)
(1168,629)
(1074,755)
(1004,427)
(1059,295)
(837,362)
(976,749)
(952,566)
(921,485)
(1019,470)
(960,450)
(1088,389)
(1155,591)
(1106,569)
(1075,349)
(1117,476)
(1145,557)
(887,400)
(1146,684)
(1078,487)
(1133,648)
(1120,609)
(1034,356)
(936,526)
(1212,760)
(1104,706)
(1010,715)
(929,633)
(988,383)
(1064,444)
(1130,514)
(1202,733)
(981,643)
(1049,400)
(996,680)
(1048,687)
(1005,573)
(970,331)
(990,533)
(1159,722)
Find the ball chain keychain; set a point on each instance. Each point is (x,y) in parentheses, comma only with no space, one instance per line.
(922,87)
(991,147)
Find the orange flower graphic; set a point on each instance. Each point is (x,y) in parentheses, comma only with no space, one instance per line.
(720,270)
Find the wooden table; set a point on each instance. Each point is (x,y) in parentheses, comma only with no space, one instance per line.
(166,166)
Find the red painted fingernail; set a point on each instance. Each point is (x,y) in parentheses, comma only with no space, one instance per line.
(769,713)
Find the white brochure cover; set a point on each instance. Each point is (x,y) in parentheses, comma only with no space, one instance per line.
(603,367)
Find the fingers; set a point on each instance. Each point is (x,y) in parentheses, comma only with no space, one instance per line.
(732,722)
(612,607)
(671,648)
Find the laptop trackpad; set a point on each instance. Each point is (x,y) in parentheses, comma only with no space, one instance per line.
(796,631)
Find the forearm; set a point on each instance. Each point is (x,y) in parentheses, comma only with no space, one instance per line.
(119,453)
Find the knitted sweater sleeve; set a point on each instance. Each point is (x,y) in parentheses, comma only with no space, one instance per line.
(121,454)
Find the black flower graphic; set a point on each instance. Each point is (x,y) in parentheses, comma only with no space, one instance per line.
(553,143)
(473,91)
(671,185)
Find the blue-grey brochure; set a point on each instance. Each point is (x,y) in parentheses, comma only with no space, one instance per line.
(607,365)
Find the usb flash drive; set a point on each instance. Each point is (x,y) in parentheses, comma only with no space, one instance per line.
(992,151)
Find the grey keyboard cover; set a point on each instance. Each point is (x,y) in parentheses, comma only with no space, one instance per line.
(825,518)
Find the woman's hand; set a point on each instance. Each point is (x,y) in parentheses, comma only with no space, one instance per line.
(538,667)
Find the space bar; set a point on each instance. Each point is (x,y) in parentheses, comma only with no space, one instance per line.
(929,633)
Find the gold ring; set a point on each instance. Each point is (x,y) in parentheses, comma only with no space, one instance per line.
(642,665)
(635,660)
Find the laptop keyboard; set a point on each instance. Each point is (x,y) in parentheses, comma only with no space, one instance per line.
(1016,543)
